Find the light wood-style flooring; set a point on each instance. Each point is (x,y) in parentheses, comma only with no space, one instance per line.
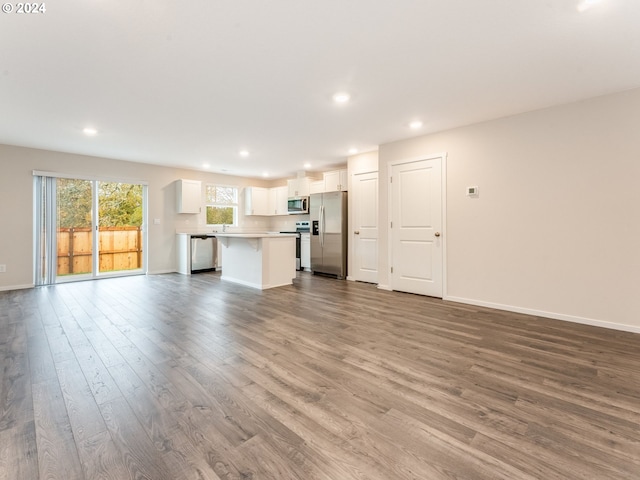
(176,377)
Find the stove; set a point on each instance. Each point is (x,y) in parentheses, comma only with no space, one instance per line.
(301,227)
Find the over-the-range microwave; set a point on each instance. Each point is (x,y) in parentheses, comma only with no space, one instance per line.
(298,205)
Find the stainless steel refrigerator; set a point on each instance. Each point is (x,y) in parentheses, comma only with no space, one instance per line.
(328,215)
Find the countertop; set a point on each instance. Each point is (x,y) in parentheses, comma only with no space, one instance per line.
(195,234)
(253,235)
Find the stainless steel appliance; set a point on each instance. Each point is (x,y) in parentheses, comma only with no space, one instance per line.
(204,253)
(298,205)
(328,214)
(301,227)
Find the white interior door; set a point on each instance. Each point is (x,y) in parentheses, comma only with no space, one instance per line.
(416,227)
(365,227)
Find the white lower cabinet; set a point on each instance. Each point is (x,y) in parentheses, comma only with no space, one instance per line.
(183,251)
(305,251)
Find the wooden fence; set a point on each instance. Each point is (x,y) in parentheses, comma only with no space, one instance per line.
(120,248)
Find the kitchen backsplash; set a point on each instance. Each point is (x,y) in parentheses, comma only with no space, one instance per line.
(283,223)
(286,223)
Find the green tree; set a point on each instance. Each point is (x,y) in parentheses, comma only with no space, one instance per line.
(219,215)
(222,203)
(74,203)
(119,204)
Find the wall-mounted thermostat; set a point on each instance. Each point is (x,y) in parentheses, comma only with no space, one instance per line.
(472,191)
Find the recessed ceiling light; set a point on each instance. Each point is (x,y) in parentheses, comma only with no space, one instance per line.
(341,97)
(587,4)
(307,165)
(416,124)
(265,174)
(244,153)
(353,151)
(89,131)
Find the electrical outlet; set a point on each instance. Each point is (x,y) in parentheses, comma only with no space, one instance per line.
(472,191)
(3,269)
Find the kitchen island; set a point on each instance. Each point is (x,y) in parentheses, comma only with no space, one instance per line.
(258,260)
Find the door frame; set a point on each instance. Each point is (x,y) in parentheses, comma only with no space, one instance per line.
(443,192)
(95,178)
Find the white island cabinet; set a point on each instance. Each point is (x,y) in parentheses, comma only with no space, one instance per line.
(258,260)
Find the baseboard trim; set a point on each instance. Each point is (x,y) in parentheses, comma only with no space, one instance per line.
(16,287)
(541,313)
(384,287)
(161,272)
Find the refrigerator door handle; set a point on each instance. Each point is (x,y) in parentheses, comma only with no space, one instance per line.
(321,218)
(324,223)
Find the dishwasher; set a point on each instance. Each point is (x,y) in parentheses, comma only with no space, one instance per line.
(204,253)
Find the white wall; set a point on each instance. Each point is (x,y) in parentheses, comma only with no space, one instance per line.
(366,162)
(556,228)
(16,206)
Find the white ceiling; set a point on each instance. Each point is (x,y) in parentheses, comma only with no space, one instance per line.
(183,83)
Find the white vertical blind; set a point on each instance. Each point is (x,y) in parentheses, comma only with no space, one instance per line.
(46,241)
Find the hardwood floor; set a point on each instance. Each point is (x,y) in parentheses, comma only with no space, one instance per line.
(187,377)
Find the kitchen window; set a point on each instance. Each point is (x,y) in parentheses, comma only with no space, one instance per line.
(222,205)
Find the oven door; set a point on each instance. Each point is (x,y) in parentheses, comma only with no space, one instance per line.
(298,252)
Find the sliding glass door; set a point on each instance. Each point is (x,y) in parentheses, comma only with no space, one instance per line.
(74,223)
(120,214)
(88,228)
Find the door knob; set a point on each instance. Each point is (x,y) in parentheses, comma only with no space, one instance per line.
(357,232)
(437,234)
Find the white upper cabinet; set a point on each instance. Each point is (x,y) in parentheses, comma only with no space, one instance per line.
(266,201)
(335,181)
(256,201)
(188,196)
(317,186)
(299,187)
(278,197)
